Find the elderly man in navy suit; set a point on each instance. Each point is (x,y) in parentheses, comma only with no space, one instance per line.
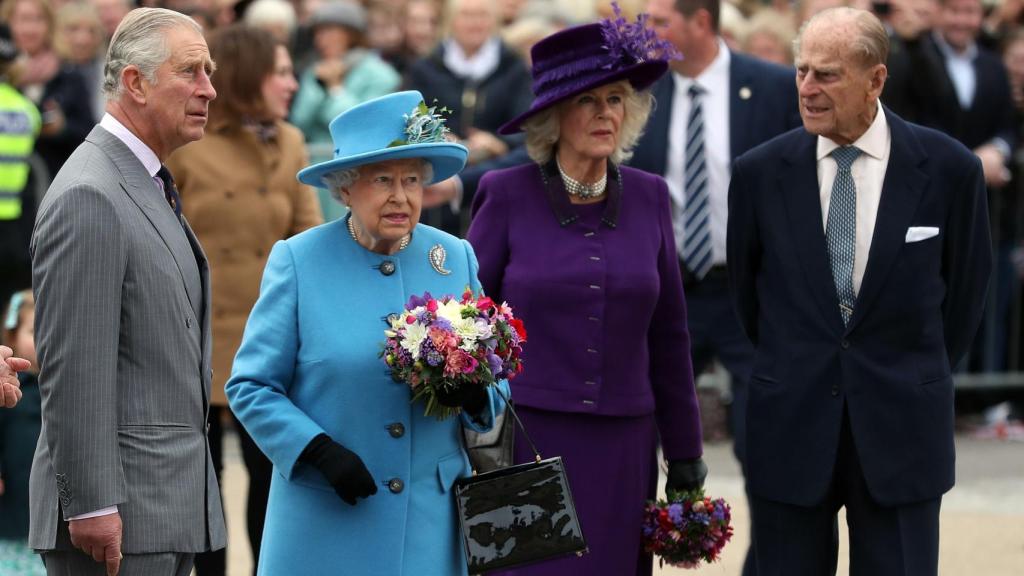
(859,254)
(715,105)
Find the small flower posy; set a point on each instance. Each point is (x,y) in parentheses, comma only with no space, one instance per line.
(424,125)
(443,344)
(687,529)
(633,42)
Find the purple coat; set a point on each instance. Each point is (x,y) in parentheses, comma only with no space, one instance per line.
(601,297)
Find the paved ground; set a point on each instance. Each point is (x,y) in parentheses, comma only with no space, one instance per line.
(982,518)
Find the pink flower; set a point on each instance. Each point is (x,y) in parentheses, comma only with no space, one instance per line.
(432,305)
(459,362)
(442,339)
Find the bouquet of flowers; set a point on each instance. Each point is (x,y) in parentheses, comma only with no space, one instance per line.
(686,529)
(438,345)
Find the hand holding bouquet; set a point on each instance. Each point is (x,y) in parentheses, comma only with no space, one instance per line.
(439,346)
(686,529)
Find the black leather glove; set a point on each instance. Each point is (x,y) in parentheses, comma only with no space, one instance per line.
(686,475)
(471,398)
(343,468)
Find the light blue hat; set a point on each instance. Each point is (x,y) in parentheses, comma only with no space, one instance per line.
(392,127)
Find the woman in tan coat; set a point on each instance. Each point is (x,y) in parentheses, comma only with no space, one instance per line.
(240,195)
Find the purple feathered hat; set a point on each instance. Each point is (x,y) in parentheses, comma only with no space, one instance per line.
(582,58)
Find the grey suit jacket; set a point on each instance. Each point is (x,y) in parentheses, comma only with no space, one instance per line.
(123,336)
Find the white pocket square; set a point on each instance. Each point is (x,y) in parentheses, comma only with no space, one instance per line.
(918,233)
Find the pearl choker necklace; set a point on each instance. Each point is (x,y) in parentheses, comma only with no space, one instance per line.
(401,245)
(581,190)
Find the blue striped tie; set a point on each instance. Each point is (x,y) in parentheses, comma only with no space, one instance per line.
(841,229)
(697,213)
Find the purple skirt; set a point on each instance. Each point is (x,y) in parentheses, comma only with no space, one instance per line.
(611,464)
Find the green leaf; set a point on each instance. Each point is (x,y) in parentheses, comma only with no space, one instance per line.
(398,143)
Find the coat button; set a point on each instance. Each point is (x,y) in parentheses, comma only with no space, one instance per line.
(397,430)
(387,268)
(845,344)
(396,485)
(188,322)
(835,390)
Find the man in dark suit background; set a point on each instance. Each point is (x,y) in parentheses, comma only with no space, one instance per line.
(744,102)
(859,253)
(955,85)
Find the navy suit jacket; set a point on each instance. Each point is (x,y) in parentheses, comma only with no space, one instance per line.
(762,105)
(918,307)
(920,90)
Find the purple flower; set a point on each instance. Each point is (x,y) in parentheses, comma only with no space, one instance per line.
(495,363)
(633,42)
(675,513)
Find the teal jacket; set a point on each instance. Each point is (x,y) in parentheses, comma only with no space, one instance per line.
(315,107)
(309,364)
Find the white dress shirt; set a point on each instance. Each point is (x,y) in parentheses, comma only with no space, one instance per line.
(717,152)
(152,164)
(960,66)
(868,175)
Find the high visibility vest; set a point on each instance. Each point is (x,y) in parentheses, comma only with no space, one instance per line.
(19,126)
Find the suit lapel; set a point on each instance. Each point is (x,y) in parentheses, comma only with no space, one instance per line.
(901,193)
(799,188)
(740,80)
(143,191)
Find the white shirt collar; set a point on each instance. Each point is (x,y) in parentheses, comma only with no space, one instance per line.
(143,152)
(950,53)
(479,65)
(716,74)
(872,142)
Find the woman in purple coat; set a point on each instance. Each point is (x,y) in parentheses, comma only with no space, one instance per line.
(583,249)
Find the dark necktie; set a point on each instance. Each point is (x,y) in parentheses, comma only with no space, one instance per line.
(170,190)
(841,229)
(697,253)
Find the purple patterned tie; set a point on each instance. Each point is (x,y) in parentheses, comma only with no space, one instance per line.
(170,191)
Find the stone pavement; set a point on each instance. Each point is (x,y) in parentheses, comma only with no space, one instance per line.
(982,518)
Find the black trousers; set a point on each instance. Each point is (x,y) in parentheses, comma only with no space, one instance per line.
(884,540)
(260,470)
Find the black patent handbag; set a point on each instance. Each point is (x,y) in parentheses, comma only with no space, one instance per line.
(519,514)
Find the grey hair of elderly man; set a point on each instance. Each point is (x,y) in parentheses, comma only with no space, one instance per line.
(141,45)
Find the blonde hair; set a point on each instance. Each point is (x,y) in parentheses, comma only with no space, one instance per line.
(71,13)
(542,129)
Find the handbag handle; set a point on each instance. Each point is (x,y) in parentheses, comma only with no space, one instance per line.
(508,406)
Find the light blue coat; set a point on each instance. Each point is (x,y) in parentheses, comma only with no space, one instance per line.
(308,364)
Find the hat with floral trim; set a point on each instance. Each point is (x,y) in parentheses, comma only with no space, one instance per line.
(393,127)
(585,57)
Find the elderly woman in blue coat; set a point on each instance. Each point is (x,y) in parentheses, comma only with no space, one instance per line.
(363,479)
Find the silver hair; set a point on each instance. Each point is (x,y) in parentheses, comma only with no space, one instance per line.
(870,42)
(346,178)
(542,130)
(270,12)
(140,41)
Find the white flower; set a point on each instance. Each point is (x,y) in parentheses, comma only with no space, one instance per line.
(414,335)
(466,329)
(450,311)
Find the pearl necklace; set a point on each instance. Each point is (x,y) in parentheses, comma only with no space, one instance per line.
(401,244)
(579,189)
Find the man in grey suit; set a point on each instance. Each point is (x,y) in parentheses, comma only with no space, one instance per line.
(123,326)
(10,389)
